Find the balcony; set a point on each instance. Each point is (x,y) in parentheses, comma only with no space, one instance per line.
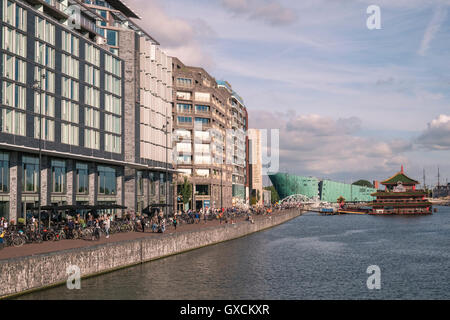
(52,7)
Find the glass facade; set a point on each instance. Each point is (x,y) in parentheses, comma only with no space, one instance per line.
(58,176)
(82,178)
(4,172)
(107,184)
(30,174)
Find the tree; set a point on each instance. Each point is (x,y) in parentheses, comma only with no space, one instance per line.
(274,194)
(363,183)
(186,191)
(340,199)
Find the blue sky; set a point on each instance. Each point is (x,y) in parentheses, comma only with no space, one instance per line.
(349,102)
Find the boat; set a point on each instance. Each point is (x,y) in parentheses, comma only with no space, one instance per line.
(401,197)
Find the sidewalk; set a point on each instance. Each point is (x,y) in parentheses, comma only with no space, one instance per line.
(46,247)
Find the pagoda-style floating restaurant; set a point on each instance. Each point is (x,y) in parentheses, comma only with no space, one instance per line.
(401,197)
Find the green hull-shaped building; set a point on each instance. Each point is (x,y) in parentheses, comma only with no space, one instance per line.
(328,191)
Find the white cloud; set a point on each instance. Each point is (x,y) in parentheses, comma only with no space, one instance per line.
(272,12)
(438,18)
(317,145)
(178,37)
(437,135)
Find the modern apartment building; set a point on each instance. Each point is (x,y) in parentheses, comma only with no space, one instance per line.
(237,144)
(201,123)
(103,113)
(148,105)
(255,165)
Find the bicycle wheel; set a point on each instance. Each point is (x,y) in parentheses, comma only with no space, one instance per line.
(18,241)
(38,238)
(50,236)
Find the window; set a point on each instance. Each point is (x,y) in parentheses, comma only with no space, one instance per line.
(69,66)
(69,88)
(113,85)
(91,139)
(30,174)
(106,180)
(48,107)
(70,43)
(14,42)
(58,176)
(92,118)
(182,120)
(113,65)
(82,178)
(113,143)
(48,84)
(112,38)
(183,82)
(201,109)
(92,96)
(183,159)
(69,111)
(203,97)
(4,172)
(48,129)
(202,120)
(14,68)
(92,54)
(202,189)
(14,95)
(181,107)
(13,122)
(140,183)
(92,75)
(44,55)
(45,30)
(113,104)
(69,134)
(113,124)
(181,95)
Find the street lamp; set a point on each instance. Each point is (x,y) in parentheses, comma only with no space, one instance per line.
(166,127)
(37,86)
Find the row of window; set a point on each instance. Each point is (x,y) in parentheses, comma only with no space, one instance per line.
(187,108)
(182,120)
(14,122)
(30,176)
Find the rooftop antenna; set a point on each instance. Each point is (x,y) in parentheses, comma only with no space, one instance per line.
(424,184)
(439,178)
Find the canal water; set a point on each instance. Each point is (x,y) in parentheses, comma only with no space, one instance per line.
(311,257)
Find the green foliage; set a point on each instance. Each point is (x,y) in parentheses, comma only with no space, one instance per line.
(363,183)
(340,199)
(274,194)
(186,191)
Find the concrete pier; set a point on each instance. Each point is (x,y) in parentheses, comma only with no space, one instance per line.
(24,274)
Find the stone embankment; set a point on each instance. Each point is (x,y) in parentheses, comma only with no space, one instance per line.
(22,274)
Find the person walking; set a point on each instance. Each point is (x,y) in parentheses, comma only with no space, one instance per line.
(175,222)
(107,224)
(143,223)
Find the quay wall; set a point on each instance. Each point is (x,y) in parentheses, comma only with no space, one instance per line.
(24,274)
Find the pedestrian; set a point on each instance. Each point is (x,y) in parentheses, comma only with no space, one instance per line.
(175,222)
(143,223)
(163,225)
(96,233)
(107,224)
(197,217)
